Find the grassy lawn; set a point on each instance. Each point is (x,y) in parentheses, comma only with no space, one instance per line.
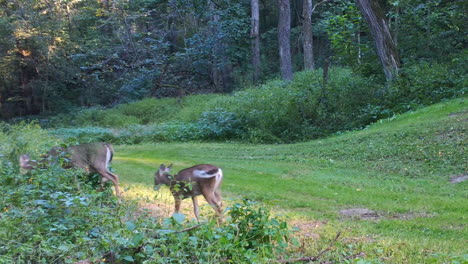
(399,170)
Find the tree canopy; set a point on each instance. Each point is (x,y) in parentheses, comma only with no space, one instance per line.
(55,55)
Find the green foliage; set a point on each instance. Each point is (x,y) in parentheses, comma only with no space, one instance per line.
(306,108)
(398,167)
(51,214)
(150,110)
(84,134)
(425,83)
(249,236)
(219,124)
(23,138)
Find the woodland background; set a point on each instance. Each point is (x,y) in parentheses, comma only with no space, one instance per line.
(59,55)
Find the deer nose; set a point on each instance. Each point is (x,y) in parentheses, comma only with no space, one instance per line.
(157,187)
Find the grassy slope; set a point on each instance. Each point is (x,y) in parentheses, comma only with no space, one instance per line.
(396,167)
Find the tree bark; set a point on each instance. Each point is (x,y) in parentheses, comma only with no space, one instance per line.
(255,34)
(221,69)
(284,32)
(307,34)
(380,31)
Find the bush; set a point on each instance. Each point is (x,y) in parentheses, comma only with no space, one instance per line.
(149,110)
(219,124)
(23,138)
(84,134)
(277,112)
(428,83)
(305,109)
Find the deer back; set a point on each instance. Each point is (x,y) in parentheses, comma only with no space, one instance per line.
(203,177)
(90,157)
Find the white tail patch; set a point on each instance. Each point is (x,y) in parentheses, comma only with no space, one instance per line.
(108,156)
(203,174)
(219,178)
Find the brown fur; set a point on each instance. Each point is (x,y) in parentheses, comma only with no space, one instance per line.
(91,157)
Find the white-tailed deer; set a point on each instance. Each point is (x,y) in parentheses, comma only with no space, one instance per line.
(92,157)
(203,179)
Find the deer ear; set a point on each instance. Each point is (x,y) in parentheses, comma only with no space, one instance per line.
(168,169)
(24,161)
(24,158)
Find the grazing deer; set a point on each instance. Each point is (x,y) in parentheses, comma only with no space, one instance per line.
(203,179)
(92,157)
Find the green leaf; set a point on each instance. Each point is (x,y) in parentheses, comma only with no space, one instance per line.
(178,217)
(128,258)
(130,226)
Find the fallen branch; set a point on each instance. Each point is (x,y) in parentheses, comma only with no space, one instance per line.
(188,229)
(314,258)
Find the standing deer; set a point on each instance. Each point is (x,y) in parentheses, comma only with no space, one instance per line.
(203,179)
(92,157)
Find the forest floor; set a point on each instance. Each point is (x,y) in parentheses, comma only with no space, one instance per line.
(396,190)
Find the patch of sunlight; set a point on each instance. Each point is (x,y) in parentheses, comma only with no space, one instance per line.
(161,203)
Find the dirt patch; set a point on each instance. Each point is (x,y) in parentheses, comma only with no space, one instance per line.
(367,214)
(360,213)
(308,229)
(154,210)
(459,178)
(411,215)
(458,113)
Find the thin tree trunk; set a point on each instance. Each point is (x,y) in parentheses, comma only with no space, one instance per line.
(255,34)
(221,69)
(307,33)
(359,55)
(284,32)
(380,31)
(215,73)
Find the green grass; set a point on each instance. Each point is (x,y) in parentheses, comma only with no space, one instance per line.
(398,167)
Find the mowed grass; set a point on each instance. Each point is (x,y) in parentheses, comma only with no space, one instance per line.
(399,168)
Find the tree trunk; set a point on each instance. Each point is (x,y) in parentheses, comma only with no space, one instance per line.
(255,34)
(284,32)
(215,73)
(221,66)
(307,33)
(380,31)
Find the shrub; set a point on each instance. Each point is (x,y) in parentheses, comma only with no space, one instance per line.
(219,124)
(193,106)
(305,109)
(427,83)
(84,134)
(24,138)
(278,112)
(150,110)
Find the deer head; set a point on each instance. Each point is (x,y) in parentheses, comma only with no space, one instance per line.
(162,177)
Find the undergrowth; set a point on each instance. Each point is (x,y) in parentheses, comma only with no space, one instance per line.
(55,215)
(275,112)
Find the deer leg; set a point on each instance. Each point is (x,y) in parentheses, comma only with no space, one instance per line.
(215,203)
(218,198)
(177,204)
(115,181)
(109,176)
(195,208)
